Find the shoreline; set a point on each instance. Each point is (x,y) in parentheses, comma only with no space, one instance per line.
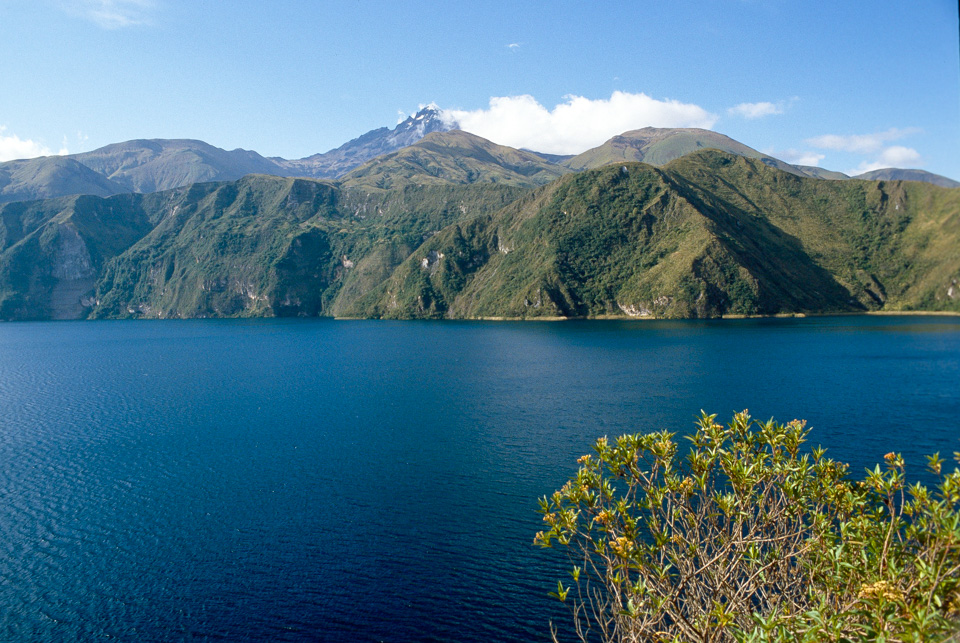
(867,313)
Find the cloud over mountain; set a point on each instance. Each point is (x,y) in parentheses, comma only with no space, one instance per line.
(860,143)
(14,147)
(873,146)
(893,156)
(577,124)
(797,157)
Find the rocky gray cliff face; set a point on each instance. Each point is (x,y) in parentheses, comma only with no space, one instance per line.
(74,273)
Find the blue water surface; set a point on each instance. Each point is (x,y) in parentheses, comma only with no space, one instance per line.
(295,480)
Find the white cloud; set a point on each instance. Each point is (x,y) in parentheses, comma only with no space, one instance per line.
(893,156)
(860,143)
(13,147)
(513,46)
(755,110)
(873,146)
(113,14)
(578,123)
(797,157)
(898,155)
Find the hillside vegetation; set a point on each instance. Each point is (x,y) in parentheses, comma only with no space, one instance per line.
(709,234)
(260,246)
(454,157)
(426,148)
(658,146)
(461,233)
(897,174)
(152,165)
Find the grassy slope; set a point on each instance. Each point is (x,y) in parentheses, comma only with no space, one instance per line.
(706,235)
(896,174)
(258,246)
(659,146)
(710,234)
(894,244)
(54,249)
(269,246)
(391,224)
(49,177)
(442,158)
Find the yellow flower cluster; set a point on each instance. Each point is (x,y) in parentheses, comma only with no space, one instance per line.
(880,589)
(622,546)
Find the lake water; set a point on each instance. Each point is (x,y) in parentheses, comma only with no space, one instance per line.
(318,480)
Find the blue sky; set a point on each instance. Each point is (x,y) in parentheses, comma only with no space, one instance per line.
(845,85)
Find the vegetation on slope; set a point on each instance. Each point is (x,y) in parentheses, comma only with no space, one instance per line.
(748,538)
(259,246)
(658,146)
(50,177)
(896,174)
(710,234)
(454,157)
(253,247)
(891,244)
(51,252)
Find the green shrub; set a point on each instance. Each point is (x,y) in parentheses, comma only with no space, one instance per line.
(748,538)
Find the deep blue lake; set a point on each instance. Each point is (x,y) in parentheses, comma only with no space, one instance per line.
(275,480)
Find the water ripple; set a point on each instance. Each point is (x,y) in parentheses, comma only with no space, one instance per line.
(289,481)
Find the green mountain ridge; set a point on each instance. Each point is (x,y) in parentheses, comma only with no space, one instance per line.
(897,174)
(659,146)
(51,177)
(262,245)
(152,165)
(454,157)
(163,164)
(706,235)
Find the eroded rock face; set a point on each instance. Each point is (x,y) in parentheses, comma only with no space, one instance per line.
(635,310)
(72,259)
(657,307)
(74,273)
(432,261)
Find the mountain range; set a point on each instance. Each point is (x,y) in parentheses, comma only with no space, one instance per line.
(142,166)
(708,234)
(455,226)
(426,221)
(161,164)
